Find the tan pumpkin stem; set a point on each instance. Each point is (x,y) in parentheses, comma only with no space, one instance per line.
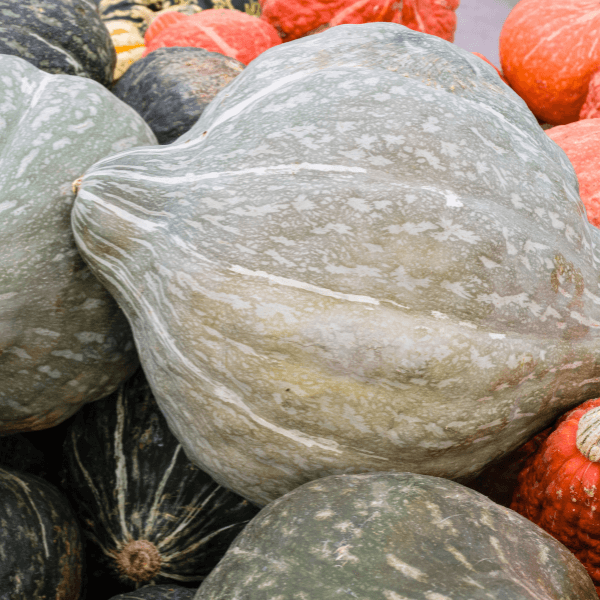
(139,561)
(588,435)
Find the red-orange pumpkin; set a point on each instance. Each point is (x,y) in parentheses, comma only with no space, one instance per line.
(296,18)
(548,53)
(436,17)
(229,32)
(581,143)
(591,106)
(161,22)
(559,486)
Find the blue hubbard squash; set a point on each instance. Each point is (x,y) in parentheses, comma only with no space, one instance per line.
(366,255)
(394,536)
(151,516)
(63,339)
(171,87)
(65,36)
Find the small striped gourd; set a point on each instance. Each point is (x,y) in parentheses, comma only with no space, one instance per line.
(65,36)
(151,516)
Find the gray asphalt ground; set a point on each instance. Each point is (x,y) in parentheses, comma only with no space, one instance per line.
(478,25)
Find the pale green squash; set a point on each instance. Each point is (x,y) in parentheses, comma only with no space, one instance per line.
(366,255)
(63,339)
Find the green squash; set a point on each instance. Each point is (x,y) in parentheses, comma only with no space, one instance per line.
(366,255)
(171,87)
(394,536)
(41,546)
(58,36)
(151,516)
(63,339)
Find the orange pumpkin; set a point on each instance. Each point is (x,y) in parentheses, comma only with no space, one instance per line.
(559,486)
(229,32)
(548,53)
(296,18)
(581,143)
(436,17)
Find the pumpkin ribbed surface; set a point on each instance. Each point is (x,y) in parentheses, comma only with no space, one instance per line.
(559,487)
(581,142)
(296,18)
(548,53)
(150,515)
(229,32)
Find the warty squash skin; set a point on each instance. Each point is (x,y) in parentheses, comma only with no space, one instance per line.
(393,536)
(63,339)
(558,486)
(366,255)
(41,547)
(58,36)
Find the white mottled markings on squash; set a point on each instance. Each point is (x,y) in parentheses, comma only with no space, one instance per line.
(404,568)
(391,595)
(495,542)
(324,514)
(459,556)
(303,286)
(436,596)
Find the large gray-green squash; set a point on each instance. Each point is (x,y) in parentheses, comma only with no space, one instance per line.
(63,339)
(394,536)
(366,255)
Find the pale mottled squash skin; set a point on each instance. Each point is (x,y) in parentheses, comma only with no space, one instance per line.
(63,340)
(366,255)
(394,536)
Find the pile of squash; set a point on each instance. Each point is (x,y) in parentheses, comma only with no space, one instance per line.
(298,300)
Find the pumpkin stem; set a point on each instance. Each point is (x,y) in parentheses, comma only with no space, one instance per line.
(139,561)
(588,435)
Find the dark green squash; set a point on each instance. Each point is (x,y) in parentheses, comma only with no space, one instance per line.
(41,551)
(158,592)
(171,87)
(151,516)
(394,536)
(58,36)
